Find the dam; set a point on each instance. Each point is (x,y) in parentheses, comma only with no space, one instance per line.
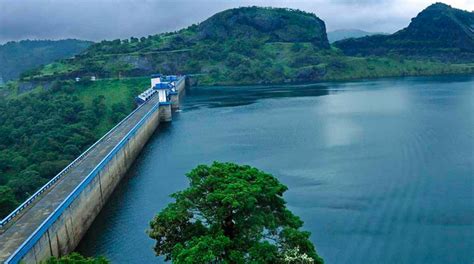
(54,219)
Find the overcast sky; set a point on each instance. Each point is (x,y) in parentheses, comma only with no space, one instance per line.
(111,19)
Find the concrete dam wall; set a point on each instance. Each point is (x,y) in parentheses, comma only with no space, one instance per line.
(54,224)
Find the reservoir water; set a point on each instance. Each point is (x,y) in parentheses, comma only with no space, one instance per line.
(381,171)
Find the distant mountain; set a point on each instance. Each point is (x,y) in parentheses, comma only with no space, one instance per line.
(246,45)
(341,34)
(240,45)
(17,57)
(439,31)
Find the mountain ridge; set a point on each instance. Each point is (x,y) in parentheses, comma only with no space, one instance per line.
(257,45)
(439,31)
(19,56)
(340,34)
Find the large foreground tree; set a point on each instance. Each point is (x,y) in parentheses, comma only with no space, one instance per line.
(231,214)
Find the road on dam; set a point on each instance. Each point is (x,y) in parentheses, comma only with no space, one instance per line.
(15,234)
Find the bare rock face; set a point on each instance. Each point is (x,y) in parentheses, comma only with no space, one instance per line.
(270,24)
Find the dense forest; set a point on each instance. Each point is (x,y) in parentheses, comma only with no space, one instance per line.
(17,57)
(43,131)
(47,119)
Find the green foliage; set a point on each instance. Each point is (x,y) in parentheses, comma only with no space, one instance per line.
(253,45)
(75,258)
(265,24)
(7,200)
(44,131)
(26,182)
(438,32)
(26,55)
(119,111)
(34,130)
(118,99)
(231,214)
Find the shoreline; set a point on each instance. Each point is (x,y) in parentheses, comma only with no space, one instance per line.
(351,80)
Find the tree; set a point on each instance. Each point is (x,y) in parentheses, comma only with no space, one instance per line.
(40,134)
(7,200)
(230,214)
(76,258)
(296,47)
(119,67)
(26,183)
(98,106)
(119,112)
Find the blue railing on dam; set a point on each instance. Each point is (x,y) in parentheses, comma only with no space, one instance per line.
(51,182)
(42,228)
(39,232)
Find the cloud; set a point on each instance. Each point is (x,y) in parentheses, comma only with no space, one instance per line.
(111,19)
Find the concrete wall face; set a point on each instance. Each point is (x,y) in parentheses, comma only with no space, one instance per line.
(67,231)
(165,113)
(175,98)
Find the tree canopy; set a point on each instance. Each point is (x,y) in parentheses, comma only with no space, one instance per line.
(44,130)
(231,214)
(76,258)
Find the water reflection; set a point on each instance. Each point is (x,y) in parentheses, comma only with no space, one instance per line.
(380,171)
(236,96)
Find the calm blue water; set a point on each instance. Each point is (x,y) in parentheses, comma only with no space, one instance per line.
(380,171)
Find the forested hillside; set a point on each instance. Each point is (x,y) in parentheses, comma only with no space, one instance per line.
(438,32)
(47,119)
(17,57)
(239,46)
(43,131)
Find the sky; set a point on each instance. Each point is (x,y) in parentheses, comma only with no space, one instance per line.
(111,19)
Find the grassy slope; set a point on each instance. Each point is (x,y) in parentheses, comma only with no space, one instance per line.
(114,91)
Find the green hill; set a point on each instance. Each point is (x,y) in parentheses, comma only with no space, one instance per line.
(264,24)
(438,32)
(238,46)
(17,57)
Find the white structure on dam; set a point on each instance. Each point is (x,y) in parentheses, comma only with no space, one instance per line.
(53,220)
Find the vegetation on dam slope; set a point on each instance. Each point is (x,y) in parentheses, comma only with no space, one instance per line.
(44,130)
